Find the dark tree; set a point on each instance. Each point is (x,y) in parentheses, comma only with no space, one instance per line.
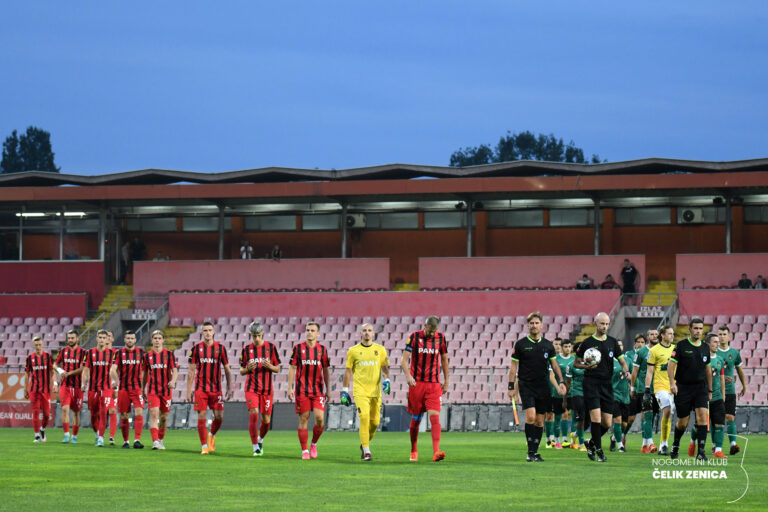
(521,146)
(30,152)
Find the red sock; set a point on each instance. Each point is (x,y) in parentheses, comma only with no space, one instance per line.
(65,427)
(155,434)
(253,426)
(102,422)
(215,426)
(75,430)
(95,420)
(125,429)
(36,421)
(45,420)
(435,423)
(303,435)
(414,434)
(202,432)
(138,426)
(263,429)
(112,424)
(162,434)
(316,433)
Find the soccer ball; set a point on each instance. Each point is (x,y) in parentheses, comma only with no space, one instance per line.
(592,356)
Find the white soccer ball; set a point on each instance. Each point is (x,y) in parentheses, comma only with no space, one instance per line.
(592,356)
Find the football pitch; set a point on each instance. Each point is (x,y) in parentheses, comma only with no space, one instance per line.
(482,472)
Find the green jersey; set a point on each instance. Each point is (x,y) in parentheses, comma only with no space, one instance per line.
(717,365)
(641,361)
(620,384)
(577,377)
(732,358)
(564,363)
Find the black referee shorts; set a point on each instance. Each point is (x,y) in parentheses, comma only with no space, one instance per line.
(636,404)
(598,394)
(690,397)
(534,394)
(556,405)
(577,406)
(730,404)
(717,412)
(620,409)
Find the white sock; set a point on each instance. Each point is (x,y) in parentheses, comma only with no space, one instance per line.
(255,445)
(663,444)
(205,445)
(366,449)
(304,451)
(259,439)
(718,449)
(312,444)
(733,443)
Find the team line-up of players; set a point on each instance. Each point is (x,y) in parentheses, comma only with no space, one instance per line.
(545,377)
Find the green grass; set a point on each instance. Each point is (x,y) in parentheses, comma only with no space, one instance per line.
(483,471)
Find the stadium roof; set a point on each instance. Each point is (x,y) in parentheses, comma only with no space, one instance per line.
(520,168)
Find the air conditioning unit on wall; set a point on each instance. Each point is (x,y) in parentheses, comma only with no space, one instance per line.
(355,220)
(692,216)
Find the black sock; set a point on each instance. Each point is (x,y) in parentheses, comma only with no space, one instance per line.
(537,437)
(679,433)
(701,437)
(529,436)
(597,435)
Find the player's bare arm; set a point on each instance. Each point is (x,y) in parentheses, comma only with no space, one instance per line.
(348,377)
(671,365)
(743,380)
(291,383)
(649,376)
(327,379)
(580,364)
(708,377)
(385,371)
(230,383)
(635,370)
(86,378)
(174,376)
(446,372)
(406,370)
(559,383)
(26,385)
(190,381)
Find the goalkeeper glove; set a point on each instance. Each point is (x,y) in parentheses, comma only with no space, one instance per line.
(386,386)
(345,399)
(647,401)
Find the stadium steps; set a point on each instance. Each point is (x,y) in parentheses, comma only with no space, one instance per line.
(405,287)
(586,332)
(175,336)
(117,297)
(651,297)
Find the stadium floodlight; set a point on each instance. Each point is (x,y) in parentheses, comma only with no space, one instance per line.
(31,214)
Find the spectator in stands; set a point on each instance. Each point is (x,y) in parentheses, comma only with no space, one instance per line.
(745,283)
(125,261)
(246,250)
(585,283)
(609,283)
(276,253)
(760,283)
(159,257)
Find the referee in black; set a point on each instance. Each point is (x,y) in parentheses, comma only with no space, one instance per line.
(690,380)
(598,389)
(532,360)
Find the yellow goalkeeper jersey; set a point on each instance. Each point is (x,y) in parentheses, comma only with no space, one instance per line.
(658,357)
(366,364)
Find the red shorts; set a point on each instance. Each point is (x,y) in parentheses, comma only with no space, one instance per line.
(213,401)
(258,401)
(40,401)
(128,397)
(96,401)
(425,396)
(307,403)
(161,401)
(72,397)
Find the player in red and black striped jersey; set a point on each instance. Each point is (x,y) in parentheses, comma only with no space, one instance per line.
(69,364)
(97,362)
(40,383)
(158,379)
(426,352)
(206,359)
(259,360)
(112,406)
(311,386)
(127,367)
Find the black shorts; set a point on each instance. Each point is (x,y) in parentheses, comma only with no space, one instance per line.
(598,394)
(620,409)
(717,412)
(730,404)
(636,405)
(536,395)
(655,404)
(577,406)
(690,397)
(556,405)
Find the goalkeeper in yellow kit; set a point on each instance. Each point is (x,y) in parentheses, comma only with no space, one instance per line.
(366,363)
